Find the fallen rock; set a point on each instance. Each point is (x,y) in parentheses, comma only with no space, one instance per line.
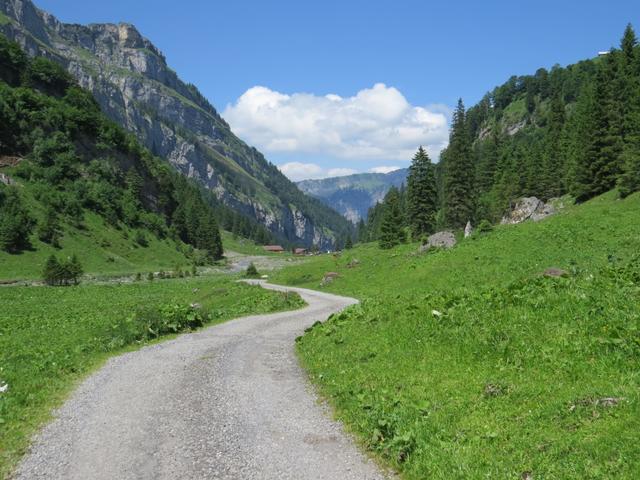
(528,208)
(444,239)
(468,230)
(555,272)
(328,278)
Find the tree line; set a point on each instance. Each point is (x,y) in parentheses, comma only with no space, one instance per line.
(76,160)
(573,130)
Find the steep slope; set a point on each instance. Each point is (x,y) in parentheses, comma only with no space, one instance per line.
(354,195)
(74,183)
(130,79)
(573,129)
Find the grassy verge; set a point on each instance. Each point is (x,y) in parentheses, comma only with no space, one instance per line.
(471,364)
(52,337)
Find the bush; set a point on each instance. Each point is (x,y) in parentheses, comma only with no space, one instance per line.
(485,226)
(49,229)
(172,318)
(252,271)
(16,225)
(141,239)
(59,273)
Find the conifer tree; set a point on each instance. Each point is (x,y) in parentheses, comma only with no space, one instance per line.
(391,228)
(74,270)
(551,176)
(459,173)
(52,271)
(422,195)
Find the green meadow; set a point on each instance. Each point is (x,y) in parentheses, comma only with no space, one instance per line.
(470,363)
(51,338)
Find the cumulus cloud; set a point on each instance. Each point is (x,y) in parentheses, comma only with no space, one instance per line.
(377,123)
(383,169)
(302,171)
(297,171)
(340,172)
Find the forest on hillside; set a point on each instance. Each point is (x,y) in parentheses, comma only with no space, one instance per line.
(71,159)
(569,131)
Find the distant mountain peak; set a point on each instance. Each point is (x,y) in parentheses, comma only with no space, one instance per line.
(354,195)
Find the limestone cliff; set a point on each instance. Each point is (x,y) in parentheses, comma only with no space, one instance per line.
(134,85)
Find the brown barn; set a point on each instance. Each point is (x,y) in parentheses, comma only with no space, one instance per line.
(300,251)
(273,248)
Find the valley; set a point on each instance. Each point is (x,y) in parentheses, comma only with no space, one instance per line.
(173,305)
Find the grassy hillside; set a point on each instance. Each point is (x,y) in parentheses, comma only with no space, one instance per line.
(51,337)
(470,363)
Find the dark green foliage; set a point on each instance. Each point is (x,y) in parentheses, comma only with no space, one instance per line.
(348,244)
(76,160)
(16,224)
(422,195)
(59,273)
(459,173)
(252,271)
(391,229)
(49,229)
(571,130)
(13,61)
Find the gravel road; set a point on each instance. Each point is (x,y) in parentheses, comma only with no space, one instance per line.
(227,402)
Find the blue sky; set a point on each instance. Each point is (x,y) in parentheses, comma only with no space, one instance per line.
(392,69)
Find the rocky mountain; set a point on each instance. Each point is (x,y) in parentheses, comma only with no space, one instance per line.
(354,195)
(136,88)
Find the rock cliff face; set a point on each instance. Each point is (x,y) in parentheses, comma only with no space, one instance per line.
(132,82)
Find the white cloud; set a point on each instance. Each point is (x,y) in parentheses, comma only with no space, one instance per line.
(302,171)
(377,123)
(297,171)
(340,172)
(384,169)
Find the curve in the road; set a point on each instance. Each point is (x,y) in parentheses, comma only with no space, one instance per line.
(227,402)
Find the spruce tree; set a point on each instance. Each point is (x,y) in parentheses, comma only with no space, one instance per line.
(550,182)
(422,195)
(391,228)
(74,270)
(52,271)
(459,173)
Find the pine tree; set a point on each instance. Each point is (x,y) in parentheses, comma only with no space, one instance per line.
(74,270)
(348,244)
(52,271)
(629,180)
(422,195)
(459,173)
(391,229)
(362,231)
(553,162)
(49,230)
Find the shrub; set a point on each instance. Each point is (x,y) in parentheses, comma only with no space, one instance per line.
(150,276)
(252,271)
(141,239)
(59,273)
(171,318)
(16,225)
(485,226)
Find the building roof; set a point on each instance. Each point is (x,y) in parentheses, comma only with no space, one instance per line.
(273,248)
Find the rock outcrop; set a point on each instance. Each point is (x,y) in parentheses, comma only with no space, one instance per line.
(444,239)
(131,80)
(528,208)
(468,229)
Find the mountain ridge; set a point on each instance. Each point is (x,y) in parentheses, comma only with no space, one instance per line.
(353,195)
(135,87)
